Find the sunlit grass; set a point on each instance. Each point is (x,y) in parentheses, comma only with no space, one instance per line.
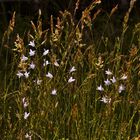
(63,83)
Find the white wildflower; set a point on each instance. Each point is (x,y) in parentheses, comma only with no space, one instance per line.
(100,88)
(31,53)
(107,82)
(45,52)
(49,75)
(54,92)
(24,58)
(26,115)
(113,80)
(19,74)
(72,69)
(27,136)
(121,88)
(46,62)
(25,103)
(71,79)
(32,43)
(108,72)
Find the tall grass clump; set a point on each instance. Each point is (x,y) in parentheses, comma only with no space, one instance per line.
(68,82)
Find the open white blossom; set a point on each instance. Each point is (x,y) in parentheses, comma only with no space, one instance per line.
(108,72)
(26,74)
(45,52)
(32,66)
(72,69)
(107,82)
(100,88)
(113,80)
(32,43)
(31,53)
(121,88)
(24,58)
(49,75)
(26,115)
(25,103)
(19,74)
(46,62)
(54,92)
(71,79)
(27,136)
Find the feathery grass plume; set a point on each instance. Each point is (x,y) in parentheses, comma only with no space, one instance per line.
(40,36)
(86,18)
(19,45)
(7,33)
(113,10)
(126,17)
(76,6)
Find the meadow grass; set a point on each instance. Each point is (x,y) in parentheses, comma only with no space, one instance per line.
(71,81)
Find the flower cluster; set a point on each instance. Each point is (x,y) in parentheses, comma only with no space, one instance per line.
(28,66)
(111,80)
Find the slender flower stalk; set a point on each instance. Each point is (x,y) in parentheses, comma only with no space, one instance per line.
(32,66)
